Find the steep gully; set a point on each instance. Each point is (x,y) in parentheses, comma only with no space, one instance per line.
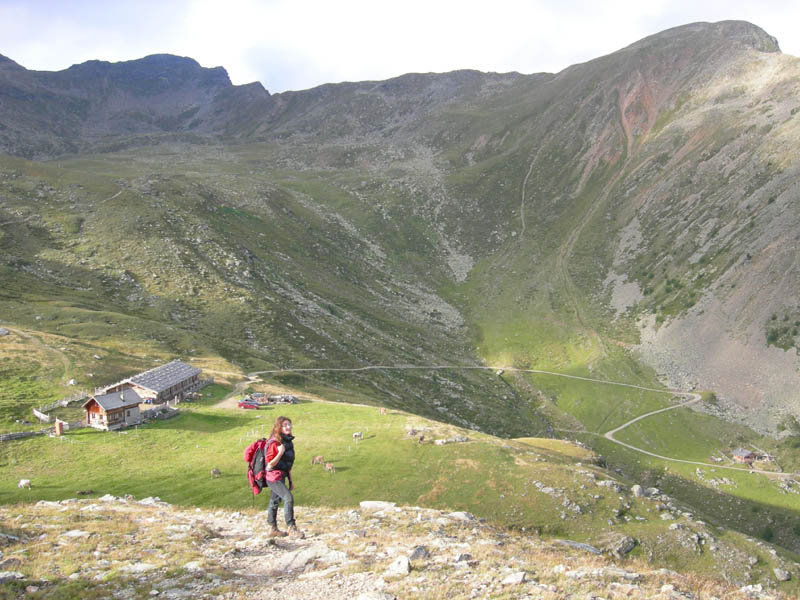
(563,255)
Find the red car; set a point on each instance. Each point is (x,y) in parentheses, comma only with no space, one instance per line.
(248,404)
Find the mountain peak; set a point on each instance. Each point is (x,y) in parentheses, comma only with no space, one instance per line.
(743,33)
(747,34)
(7,63)
(154,73)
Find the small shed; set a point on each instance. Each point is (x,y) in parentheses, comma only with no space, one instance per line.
(741,455)
(114,410)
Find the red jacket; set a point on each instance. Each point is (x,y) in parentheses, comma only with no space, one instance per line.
(272,452)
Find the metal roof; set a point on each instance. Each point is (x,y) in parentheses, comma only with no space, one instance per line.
(115,400)
(742,452)
(164,377)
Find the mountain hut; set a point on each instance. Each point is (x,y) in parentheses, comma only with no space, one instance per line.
(741,455)
(174,380)
(114,410)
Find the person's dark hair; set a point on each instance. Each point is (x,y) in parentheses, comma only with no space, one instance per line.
(276,429)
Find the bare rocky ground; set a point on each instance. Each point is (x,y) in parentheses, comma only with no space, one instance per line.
(121,548)
(756,383)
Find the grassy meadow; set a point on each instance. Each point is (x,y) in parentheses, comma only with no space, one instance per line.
(172,459)
(528,484)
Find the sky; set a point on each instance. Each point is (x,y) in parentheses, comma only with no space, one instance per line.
(298,44)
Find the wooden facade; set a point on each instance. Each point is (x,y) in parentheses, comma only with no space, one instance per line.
(114,410)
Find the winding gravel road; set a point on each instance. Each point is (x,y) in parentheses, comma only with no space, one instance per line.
(609,435)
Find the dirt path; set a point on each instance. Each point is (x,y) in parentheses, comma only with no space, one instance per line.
(522,195)
(103,201)
(609,435)
(231,399)
(65,360)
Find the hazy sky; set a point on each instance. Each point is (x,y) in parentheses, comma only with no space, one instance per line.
(297,44)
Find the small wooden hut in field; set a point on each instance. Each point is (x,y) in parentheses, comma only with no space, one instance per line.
(113,410)
(741,455)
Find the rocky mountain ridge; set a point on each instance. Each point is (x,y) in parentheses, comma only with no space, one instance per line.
(168,94)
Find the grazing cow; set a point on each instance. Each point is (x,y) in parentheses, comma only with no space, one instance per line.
(317,460)
(24,483)
(215,473)
(358,435)
(84,492)
(330,468)
(421,438)
(412,432)
(383,410)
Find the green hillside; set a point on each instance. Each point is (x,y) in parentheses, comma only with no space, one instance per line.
(547,487)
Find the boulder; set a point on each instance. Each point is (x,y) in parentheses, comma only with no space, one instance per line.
(193,566)
(514,578)
(139,567)
(75,533)
(637,491)
(610,483)
(399,568)
(298,559)
(782,574)
(618,573)
(581,572)
(578,546)
(419,553)
(617,544)
(460,516)
(151,501)
(376,505)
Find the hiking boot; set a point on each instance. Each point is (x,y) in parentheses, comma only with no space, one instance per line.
(275,532)
(295,532)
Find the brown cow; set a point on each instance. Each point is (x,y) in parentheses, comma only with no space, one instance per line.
(330,468)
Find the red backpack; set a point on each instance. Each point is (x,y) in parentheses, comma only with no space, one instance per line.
(255,455)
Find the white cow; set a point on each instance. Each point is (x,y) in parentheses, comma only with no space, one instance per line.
(24,483)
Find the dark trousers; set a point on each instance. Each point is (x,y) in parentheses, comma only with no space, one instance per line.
(278,492)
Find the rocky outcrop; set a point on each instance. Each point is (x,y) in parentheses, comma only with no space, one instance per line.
(380,551)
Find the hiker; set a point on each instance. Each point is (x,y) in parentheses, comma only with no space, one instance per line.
(280,458)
